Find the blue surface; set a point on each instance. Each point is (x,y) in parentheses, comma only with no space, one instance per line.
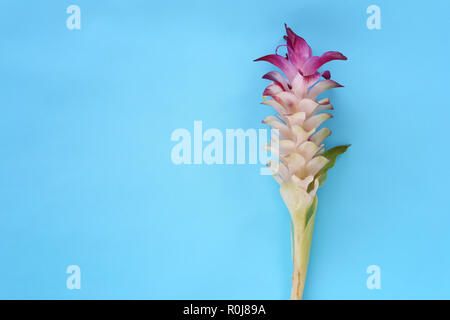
(86,177)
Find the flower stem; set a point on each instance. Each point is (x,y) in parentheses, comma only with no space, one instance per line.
(298,284)
(298,276)
(302,237)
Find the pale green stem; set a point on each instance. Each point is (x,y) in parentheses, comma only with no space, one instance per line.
(302,236)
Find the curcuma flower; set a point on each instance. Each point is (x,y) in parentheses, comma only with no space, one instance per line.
(303,161)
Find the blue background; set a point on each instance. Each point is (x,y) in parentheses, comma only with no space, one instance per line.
(86,176)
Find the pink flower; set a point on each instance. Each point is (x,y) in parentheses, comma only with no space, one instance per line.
(300,59)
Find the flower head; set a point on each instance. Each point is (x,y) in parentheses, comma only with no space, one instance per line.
(300,61)
(300,55)
(294,96)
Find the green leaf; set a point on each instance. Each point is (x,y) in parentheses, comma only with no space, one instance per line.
(330,154)
(322,178)
(311,211)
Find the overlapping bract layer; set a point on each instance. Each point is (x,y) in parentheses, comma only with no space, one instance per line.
(293,95)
